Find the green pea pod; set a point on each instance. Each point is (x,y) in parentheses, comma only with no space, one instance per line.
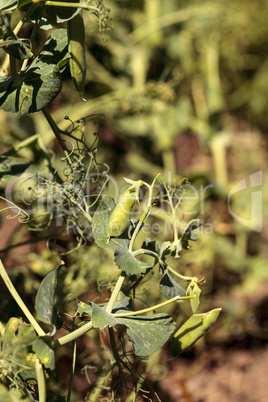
(120,216)
(76,48)
(192,330)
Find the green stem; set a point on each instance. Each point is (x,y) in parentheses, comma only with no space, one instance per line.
(75,5)
(13,70)
(57,133)
(25,17)
(73,335)
(157,306)
(72,371)
(144,215)
(21,145)
(19,301)
(185,278)
(115,351)
(41,381)
(115,294)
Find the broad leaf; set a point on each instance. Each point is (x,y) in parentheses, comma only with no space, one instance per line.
(45,352)
(170,288)
(53,14)
(150,333)
(192,330)
(44,303)
(40,83)
(125,261)
(100,318)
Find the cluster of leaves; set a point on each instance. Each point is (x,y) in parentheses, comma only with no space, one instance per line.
(66,193)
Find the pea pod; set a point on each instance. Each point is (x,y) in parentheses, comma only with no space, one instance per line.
(120,216)
(76,48)
(192,330)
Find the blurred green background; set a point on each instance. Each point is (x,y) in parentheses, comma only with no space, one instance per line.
(184,89)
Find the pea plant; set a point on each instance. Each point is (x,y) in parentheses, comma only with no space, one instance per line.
(71,196)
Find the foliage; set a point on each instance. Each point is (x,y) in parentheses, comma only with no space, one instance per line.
(168,68)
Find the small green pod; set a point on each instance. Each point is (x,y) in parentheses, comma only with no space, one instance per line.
(76,48)
(120,216)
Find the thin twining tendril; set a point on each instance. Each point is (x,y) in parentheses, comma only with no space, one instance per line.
(23,216)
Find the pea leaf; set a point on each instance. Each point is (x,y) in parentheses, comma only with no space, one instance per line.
(100,318)
(40,83)
(44,303)
(45,352)
(170,288)
(195,327)
(53,15)
(84,309)
(125,261)
(148,333)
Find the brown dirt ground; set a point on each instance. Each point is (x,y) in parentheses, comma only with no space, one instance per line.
(224,376)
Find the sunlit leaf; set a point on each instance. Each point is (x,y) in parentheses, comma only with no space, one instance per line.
(40,83)
(192,330)
(53,14)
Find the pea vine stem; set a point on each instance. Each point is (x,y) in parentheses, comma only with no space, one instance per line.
(144,215)
(19,301)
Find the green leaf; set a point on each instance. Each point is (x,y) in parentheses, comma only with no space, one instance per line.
(40,83)
(8,5)
(125,261)
(44,303)
(54,15)
(150,333)
(192,330)
(84,309)
(170,288)
(194,290)
(45,352)
(100,318)
(122,301)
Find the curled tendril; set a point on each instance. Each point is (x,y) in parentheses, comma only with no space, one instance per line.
(23,216)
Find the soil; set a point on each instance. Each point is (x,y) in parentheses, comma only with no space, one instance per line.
(224,376)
